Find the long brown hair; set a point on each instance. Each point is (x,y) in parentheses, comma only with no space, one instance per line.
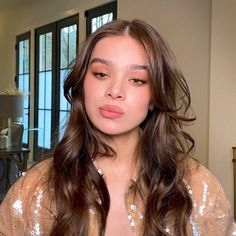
(74,176)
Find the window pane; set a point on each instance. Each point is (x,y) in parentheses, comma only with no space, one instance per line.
(41,91)
(64,47)
(63,101)
(25,122)
(72,43)
(97,22)
(41,115)
(26,90)
(68,54)
(48,90)
(42,50)
(63,119)
(23,82)
(47,130)
(48,49)
(44,125)
(21,57)
(26,56)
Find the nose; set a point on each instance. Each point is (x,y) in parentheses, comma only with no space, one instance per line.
(115,90)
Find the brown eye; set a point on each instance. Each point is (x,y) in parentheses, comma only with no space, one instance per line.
(138,82)
(100,75)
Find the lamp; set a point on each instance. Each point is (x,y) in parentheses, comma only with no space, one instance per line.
(11,106)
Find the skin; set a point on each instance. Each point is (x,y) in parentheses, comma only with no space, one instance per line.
(117,99)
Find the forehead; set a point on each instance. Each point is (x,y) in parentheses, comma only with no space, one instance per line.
(120,50)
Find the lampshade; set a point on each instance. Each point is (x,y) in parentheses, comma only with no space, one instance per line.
(11,106)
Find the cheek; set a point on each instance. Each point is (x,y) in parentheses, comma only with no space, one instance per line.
(87,86)
(89,89)
(142,100)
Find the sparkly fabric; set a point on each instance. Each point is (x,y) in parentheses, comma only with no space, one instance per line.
(28,210)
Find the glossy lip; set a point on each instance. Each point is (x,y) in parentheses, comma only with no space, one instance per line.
(111,111)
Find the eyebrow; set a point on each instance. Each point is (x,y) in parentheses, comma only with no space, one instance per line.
(110,64)
(102,61)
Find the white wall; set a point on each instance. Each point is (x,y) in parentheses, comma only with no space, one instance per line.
(7,56)
(222,123)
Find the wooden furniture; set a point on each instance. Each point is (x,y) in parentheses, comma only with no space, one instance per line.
(234,165)
(19,157)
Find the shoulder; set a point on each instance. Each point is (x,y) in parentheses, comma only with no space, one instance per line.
(34,177)
(202,181)
(210,204)
(28,202)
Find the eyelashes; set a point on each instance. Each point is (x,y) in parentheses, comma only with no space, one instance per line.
(100,75)
(138,82)
(134,81)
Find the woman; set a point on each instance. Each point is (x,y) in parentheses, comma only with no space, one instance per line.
(122,166)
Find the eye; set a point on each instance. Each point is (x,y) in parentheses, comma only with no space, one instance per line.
(100,75)
(138,82)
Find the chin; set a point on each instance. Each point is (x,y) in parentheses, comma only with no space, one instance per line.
(117,131)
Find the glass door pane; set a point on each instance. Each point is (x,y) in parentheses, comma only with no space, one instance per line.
(98,16)
(68,49)
(45,90)
(99,21)
(23,78)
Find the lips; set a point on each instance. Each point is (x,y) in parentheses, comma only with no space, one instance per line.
(111,111)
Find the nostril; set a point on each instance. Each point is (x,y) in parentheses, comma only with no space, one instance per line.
(108,94)
(114,94)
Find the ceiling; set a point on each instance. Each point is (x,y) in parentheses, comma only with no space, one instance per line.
(10,3)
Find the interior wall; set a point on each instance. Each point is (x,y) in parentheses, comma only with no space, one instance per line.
(222,123)
(7,52)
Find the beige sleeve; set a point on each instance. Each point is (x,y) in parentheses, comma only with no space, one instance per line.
(26,209)
(220,216)
(213,213)
(12,212)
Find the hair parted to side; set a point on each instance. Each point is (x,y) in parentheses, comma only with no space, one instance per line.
(76,182)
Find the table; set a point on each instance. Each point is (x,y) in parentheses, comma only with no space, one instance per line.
(19,155)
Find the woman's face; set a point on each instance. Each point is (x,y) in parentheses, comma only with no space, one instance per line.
(116,86)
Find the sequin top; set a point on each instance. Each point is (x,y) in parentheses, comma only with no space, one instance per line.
(27,209)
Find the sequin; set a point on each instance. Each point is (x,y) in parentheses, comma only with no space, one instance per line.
(194,227)
(133,207)
(92,211)
(167,230)
(37,229)
(204,198)
(18,206)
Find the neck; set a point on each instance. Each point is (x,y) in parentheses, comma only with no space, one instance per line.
(125,145)
(125,160)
